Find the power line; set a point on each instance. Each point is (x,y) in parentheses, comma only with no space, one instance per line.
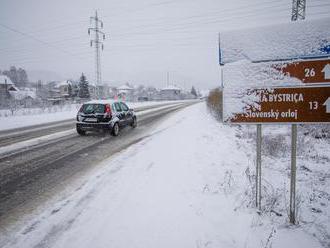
(201,18)
(208,16)
(6,50)
(35,39)
(180,29)
(187,27)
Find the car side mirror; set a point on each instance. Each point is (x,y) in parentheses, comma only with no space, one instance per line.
(131,110)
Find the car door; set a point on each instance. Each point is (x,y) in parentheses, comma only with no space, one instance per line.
(120,114)
(125,110)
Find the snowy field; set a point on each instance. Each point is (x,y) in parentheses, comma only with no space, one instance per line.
(35,116)
(190,184)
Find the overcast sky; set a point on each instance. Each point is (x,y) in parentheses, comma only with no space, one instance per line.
(144,38)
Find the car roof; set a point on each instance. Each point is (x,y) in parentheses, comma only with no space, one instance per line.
(102,102)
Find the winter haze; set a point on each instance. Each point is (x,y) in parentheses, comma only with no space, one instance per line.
(144,39)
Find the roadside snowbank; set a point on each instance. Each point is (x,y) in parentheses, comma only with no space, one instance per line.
(37,116)
(187,185)
(19,146)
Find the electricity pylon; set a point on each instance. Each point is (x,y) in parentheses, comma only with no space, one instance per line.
(98,43)
(298,10)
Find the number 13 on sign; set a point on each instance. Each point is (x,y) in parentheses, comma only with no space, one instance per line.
(313,105)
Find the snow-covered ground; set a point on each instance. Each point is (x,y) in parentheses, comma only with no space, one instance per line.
(190,184)
(35,116)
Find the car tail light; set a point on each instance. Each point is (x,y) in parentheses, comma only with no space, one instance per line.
(107,110)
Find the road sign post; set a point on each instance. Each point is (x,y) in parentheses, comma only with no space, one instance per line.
(286,105)
(293,173)
(258,168)
(277,79)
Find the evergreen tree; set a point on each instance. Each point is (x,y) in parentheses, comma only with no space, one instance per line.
(83,87)
(193,91)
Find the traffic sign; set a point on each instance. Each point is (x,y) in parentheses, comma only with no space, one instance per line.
(308,71)
(280,105)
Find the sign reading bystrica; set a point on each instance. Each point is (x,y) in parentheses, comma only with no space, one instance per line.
(280,105)
(310,71)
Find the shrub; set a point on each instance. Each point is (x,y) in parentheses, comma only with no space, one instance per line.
(214,103)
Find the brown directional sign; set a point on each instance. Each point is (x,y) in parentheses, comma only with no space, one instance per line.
(283,105)
(308,71)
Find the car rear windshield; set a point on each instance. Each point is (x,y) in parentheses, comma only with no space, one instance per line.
(93,108)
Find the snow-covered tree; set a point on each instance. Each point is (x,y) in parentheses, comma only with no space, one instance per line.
(17,76)
(83,87)
(13,105)
(193,91)
(12,74)
(22,78)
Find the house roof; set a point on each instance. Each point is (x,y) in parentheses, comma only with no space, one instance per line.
(22,94)
(5,80)
(171,87)
(125,87)
(63,83)
(91,84)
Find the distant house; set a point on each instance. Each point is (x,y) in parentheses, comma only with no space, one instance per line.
(125,89)
(125,92)
(170,92)
(63,88)
(24,96)
(59,91)
(6,85)
(98,91)
(104,91)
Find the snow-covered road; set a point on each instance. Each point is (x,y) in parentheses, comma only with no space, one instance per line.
(186,185)
(30,117)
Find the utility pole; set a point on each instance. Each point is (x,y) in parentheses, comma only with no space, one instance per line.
(98,24)
(298,10)
(167,78)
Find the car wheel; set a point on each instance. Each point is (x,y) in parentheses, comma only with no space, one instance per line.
(81,132)
(115,129)
(134,123)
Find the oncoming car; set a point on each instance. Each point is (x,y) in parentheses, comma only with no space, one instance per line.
(104,115)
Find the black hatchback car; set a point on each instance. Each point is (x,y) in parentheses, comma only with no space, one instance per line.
(105,115)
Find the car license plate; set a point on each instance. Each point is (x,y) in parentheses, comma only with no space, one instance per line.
(90,120)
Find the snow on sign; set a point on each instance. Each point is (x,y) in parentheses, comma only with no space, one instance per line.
(281,105)
(310,71)
(286,41)
(277,74)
